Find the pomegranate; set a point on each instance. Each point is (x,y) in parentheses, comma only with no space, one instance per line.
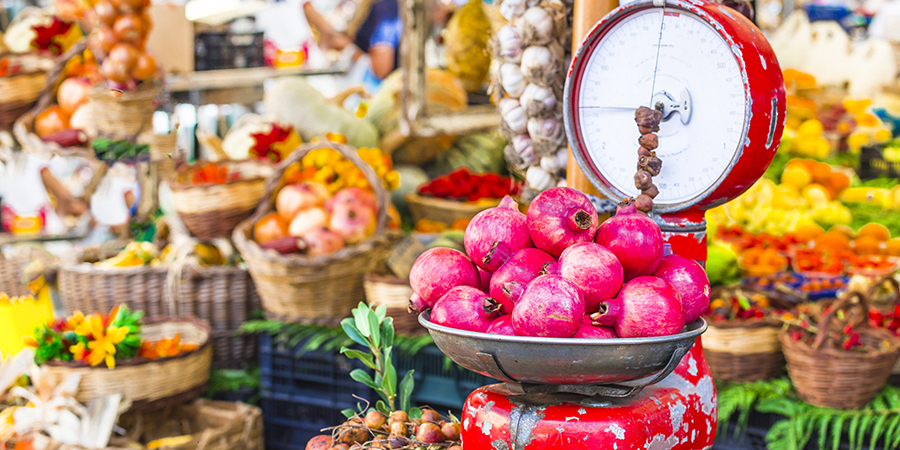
(353,221)
(560,217)
(352,195)
(269,228)
(294,198)
(465,308)
(73,93)
(307,220)
(502,325)
(485,279)
(495,234)
(436,271)
(524,265)
(689,279)
(595,270)
(646,306)
(321,241)
(551,306)
(635,240)
(514,290)
(590,331)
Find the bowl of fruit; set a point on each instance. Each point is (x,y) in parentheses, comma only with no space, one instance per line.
(459,195)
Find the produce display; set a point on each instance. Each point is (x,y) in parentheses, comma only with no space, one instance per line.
(557,272)
(327,167)
(461,184)
(275,144)
(101,339)
(739,306)
(113,151)
(118,40)
(137,254)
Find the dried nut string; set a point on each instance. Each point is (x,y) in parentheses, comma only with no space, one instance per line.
(648,165)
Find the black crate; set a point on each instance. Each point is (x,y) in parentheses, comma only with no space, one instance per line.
(439,385)
(873,165)
(291,421)
(322,375)
(217,50)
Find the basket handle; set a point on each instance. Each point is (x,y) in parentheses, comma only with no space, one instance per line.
(886,280)
(273,181)
(843,302)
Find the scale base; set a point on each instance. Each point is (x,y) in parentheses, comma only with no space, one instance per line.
(679,413)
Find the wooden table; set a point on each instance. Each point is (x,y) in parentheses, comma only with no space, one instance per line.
(227,86)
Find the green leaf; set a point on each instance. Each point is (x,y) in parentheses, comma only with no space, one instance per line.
(745,304)
(381,312)
(382,408)
(892,433)
(363,377)
(854,424)
(865,428)
(348,413)
(836,431)
(390,376)
(362,356)
(406,389)
(352,331)
(374,328)
(823,430)
(415,413)
(361,316)
(877,431)
(387,332)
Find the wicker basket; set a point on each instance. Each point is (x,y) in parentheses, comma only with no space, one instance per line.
(441,210)
(23,128)
(223,296)
(323,289)
(212,211)
(394,293)
(20,91)
(743,351)
(212,425)
(834,378)
(148,384)
(11,277)
(122,115)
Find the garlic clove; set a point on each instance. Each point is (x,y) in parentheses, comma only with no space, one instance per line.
(510,43)
(537,26)
(512,80)
(539,179)
(511,9)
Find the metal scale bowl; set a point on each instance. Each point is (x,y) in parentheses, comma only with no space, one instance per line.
(534,365)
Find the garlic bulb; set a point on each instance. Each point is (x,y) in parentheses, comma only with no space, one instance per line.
(537,26)
(546,134)
(510,43)
(555,162)
(537,100)
(522,146)
(561,183)
(514,118)
(539,179)
(510,9)
(540,65)
(512,80)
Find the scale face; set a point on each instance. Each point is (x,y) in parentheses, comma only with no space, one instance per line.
(714,77)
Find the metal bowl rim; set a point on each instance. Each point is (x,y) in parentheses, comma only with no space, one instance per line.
(691,333)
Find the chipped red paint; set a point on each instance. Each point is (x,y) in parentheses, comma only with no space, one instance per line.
(677,414)
(763,84)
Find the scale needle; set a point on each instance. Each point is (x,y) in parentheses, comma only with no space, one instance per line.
(662,22)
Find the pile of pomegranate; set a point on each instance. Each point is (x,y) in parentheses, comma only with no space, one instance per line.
(557,272)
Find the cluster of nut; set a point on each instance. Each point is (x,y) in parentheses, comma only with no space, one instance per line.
(648,164)
(378,431)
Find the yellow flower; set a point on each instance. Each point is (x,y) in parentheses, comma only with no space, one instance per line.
(103,347)
(78,324)
(29,341)
(865,119)
(78,350)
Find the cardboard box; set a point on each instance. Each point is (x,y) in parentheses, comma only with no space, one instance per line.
(172,38)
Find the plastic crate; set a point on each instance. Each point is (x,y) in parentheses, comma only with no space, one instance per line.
(440,385)
(291,421)
(873,165)
(320,375)
(215,50)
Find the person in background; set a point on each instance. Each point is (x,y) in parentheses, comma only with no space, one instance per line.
(375,29)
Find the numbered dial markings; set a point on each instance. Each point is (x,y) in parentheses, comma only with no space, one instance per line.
(618,78)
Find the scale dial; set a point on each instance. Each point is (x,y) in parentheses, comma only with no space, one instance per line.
(714,77)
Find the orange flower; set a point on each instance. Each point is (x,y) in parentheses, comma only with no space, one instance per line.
(103,347)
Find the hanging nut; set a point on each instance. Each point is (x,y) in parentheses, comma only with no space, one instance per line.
(643,203)
(647,130)
(651,164)
(642,179)
(642,151)
(652,191)
(649,141)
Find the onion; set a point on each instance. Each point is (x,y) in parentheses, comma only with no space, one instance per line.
(269,228)
(102,40)
(125,54)
(115,71)
(106,12)
(129,28)
(145,67)
(51,120)
(73,93)
(80,119)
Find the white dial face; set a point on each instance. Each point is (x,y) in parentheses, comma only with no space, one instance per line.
(696,72)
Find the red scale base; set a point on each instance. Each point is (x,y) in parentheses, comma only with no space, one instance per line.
(678,413)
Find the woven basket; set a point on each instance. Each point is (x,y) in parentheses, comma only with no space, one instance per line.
(441,210)
(23,128)
(323,289)
(394,293)
(148,384)
(743,351)
(223,296)
(834,378)
(20,91)
(11,277)
(213,210)
(122,115)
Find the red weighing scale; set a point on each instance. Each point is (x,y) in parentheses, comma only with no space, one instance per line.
(717,81)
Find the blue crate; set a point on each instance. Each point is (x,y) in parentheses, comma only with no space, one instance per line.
(319,374)
(291,421)
(438,385)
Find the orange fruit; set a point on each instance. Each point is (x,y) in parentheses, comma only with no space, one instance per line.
(838,181)
(875,230)
(892,247)
(832,240)
(821,172)
(867,245)
(808,231)
(845,230)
